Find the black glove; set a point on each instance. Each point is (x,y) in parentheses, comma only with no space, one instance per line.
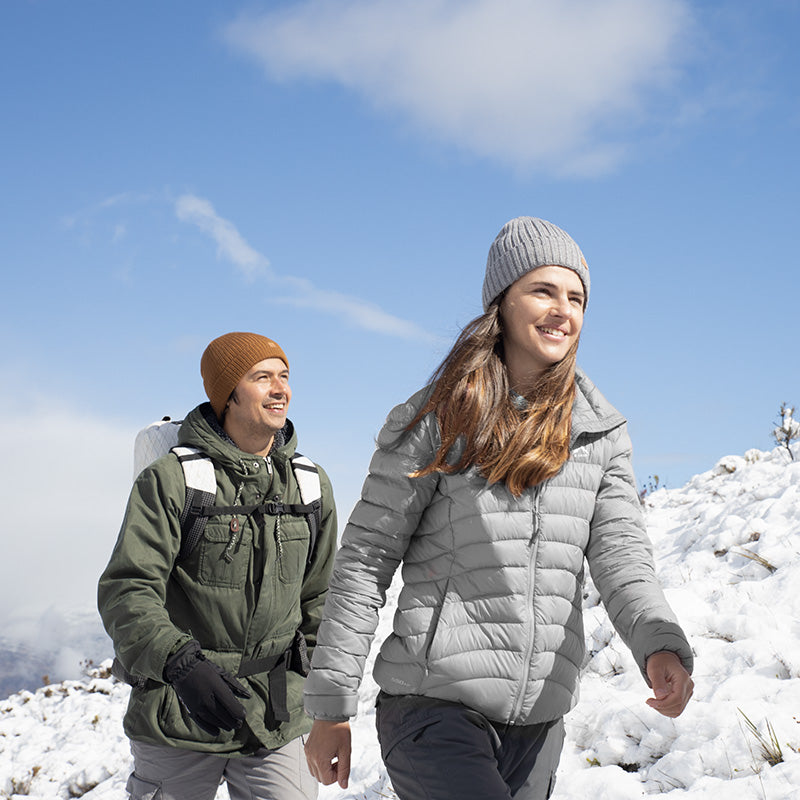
(206,690)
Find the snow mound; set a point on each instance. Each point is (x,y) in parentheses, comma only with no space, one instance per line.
(727,547)
(65,740)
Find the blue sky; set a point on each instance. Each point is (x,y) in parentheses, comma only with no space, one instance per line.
(331,174)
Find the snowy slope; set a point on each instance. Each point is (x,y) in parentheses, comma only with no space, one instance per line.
(728,551)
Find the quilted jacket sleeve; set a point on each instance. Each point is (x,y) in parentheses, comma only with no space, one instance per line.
(373,544)
(621,563)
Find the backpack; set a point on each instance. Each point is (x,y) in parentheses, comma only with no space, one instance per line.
(160,438)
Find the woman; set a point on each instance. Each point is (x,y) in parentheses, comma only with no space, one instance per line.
(491,486)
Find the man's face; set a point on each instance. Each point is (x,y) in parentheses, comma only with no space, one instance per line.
(258,405)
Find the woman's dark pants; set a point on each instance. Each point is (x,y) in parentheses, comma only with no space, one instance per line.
(437,750)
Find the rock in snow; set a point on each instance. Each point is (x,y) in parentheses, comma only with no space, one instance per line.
(727,548)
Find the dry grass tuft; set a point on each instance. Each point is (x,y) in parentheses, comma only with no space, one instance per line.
(769,746)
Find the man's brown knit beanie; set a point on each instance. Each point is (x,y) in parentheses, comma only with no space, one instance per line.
(228,359)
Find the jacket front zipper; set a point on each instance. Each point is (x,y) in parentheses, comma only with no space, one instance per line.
(531,589)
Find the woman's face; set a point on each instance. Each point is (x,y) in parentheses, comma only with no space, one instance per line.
(542,314)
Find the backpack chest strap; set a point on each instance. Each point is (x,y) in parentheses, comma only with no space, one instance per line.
(273,508)
(201,494)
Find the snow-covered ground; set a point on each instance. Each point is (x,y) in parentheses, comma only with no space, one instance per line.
(728,552)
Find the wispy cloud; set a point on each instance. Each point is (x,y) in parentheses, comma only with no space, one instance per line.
(553,84)
(301,292)
(359,312)
(230,243)
(85,215)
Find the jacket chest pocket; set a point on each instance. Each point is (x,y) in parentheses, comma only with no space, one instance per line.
(291,544)
(224,554)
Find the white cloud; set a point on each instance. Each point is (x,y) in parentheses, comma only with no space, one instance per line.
(64,482)
(301,292)
(554,84)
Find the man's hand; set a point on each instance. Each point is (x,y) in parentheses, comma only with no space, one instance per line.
(672,684)
(328,752)
(206,690)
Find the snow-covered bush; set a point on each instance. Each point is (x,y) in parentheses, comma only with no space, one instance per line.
(787,430)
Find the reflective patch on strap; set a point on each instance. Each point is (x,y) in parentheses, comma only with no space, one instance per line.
(201,491)
(307,478)
(198,469)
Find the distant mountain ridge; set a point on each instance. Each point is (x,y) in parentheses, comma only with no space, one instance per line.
(22,668)
(50,647)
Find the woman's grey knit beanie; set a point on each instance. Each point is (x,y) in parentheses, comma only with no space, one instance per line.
(525,243)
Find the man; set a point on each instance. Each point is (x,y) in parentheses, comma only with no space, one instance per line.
(211,639)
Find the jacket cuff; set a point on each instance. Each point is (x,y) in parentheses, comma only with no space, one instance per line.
(183,661)
(162,656)
(334,708)
(657,637)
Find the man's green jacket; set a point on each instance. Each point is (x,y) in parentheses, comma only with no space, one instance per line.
(242,593)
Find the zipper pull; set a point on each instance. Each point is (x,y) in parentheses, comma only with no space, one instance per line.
(269,465)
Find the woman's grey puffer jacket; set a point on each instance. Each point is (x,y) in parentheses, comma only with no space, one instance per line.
(490,613)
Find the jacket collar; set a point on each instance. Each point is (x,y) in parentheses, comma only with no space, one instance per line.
(591,412)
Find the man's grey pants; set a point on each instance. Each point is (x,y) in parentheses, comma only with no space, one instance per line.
(170,773)
(435,750)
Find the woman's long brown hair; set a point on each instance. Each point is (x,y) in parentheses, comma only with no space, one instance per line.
(472,399)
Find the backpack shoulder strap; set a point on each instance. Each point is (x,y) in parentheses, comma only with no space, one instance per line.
(307,476)
(201,492)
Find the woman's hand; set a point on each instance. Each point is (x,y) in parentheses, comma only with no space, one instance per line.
(672,684)
(328,751)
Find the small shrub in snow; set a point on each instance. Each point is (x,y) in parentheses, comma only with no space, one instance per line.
(727,465)
(651,486)
(22,786)
(787,430)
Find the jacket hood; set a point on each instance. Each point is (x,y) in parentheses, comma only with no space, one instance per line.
(202,429)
